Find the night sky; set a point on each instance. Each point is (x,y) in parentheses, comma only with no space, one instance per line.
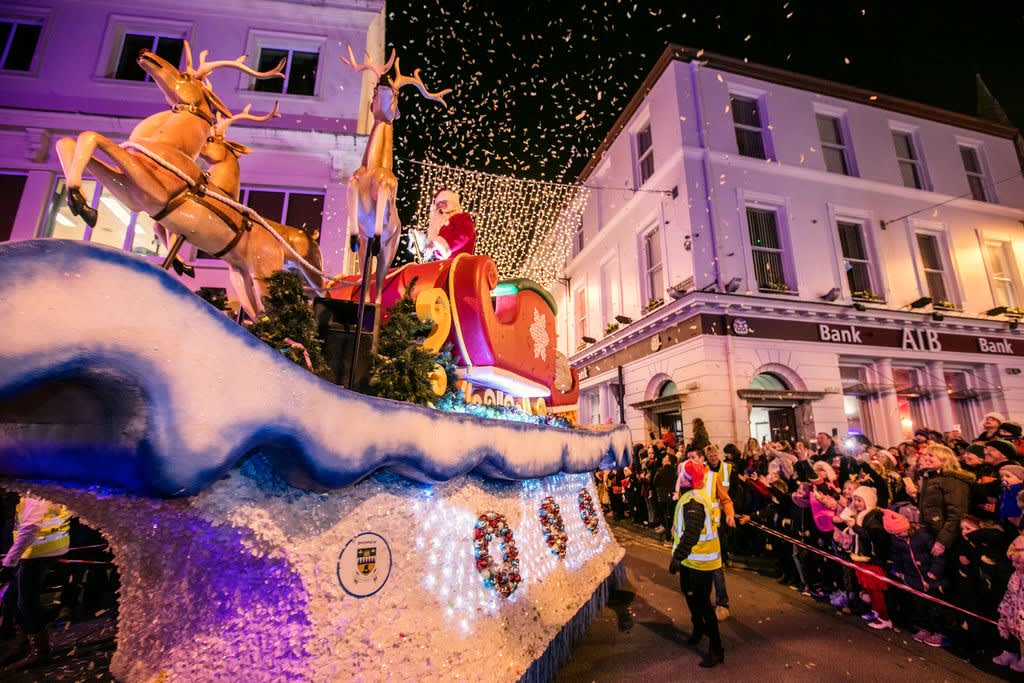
(537,85)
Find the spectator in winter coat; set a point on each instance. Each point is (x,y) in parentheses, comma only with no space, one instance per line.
(664,485)
(914,565)
(1011,611)
(871,552)
(942,495)
(989,426)
(1007,511)
(826,448)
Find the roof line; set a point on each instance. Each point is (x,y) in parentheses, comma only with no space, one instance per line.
(674,52)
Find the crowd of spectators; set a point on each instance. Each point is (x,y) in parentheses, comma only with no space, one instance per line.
(939,513)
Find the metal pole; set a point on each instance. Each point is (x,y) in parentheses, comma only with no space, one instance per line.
(622,398)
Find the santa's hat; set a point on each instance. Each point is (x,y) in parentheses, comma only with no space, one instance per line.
(691,474)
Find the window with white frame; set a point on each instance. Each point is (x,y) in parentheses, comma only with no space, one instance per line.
(301,55)
(975,175)
(853,244)
(963,399)
(999,259)
(931,250)
(116,225)
(19,38)
(746,116)
(579,307)
(766,246)
(834,146)
(168,45)
(653,264)
(908,159)
(577,239)
(610,284)
(302,209)
(12,184)
(644,155)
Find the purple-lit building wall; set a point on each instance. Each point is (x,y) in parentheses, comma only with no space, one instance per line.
(759,205)
(64,68)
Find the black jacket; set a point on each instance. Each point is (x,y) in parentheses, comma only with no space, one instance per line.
(943,498)
(872,542)
(664,483)
(693,523)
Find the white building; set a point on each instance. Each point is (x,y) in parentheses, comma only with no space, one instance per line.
(67,66)
(769,236)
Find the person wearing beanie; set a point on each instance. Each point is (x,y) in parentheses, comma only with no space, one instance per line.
(696,554)
(998,452)
(1011,612)
(1010,431)
(989,426)
(871,552)
(1012,478)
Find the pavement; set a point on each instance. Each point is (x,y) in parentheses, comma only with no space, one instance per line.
(773,634)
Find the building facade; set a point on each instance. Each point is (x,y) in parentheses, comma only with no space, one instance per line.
(788,255)
(69,66)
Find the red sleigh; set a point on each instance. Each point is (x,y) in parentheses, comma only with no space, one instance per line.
(503,333)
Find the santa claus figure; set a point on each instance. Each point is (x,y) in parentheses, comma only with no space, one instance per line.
(451,230)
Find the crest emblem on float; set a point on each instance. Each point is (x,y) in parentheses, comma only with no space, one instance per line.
(366,559)
(364,564)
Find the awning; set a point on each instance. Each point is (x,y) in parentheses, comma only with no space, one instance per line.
(671,402)
(776,395)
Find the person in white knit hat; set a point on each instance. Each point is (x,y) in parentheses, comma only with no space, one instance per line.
(990,426)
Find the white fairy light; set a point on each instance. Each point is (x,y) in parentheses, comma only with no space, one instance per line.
(526,226)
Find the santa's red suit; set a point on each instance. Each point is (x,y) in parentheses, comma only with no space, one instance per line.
(457,236)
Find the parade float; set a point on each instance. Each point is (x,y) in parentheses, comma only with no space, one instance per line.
(267,524)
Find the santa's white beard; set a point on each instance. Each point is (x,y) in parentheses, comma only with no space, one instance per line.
(437,221)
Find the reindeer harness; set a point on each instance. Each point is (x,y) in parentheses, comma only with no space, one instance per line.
(197,193)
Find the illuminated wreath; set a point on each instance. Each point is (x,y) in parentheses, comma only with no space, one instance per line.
(587,512)
(501,576)
(552,526)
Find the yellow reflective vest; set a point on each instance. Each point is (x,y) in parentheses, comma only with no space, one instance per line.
(706,555)
(711,489)
(54,535)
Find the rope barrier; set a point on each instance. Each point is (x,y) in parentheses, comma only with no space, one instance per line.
(241,208)
(858,568)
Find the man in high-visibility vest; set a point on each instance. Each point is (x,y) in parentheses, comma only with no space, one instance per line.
(696,555)
(716,488)
(42,533)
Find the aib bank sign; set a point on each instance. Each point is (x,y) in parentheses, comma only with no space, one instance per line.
(910,339)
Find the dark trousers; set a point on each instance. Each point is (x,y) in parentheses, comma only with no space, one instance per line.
(24,595)
(696,587)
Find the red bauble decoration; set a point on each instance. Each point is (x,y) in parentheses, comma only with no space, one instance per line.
(587,512)
(553,527)
(502,576)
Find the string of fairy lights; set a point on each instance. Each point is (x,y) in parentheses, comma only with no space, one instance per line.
(526,226)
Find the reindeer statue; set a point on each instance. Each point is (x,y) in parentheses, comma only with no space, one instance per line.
(373,224)
(253,254)
(175,137)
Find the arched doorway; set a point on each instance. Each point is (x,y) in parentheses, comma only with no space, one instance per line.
(772,413)
(663,408)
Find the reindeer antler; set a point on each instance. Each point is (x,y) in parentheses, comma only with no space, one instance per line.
(221,128)
(205,67)
(399,81)
(368,65)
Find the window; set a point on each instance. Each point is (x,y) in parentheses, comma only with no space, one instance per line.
(652,264)
(577,239)
(579,307)
(749,130)
(644,155)
(975,176)
(299,70)
(933,266)
(168,46)
(11,187)
(766,249)
(18,41)
(302,209)
(907,158)
(116,226)
(833,145)
(856,259)
(1004,287)
(963,399)
(610,284)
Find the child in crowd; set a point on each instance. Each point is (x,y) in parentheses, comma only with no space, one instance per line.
(1007,511)
(1011,611)
(870,551)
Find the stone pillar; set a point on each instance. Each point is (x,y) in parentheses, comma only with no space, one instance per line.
(35,198)
(885,408)
(941,408)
